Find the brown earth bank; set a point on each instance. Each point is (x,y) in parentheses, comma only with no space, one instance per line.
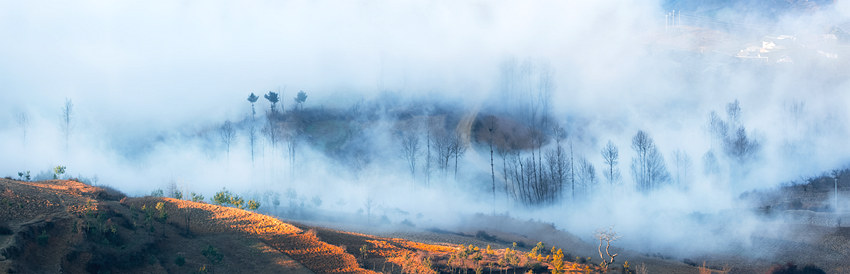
(62,226)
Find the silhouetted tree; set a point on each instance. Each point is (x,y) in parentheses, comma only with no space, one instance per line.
(648,166)
(457,147)
(586,174)
(300,98)
(228,135)
(491,124)
(611,157)
(410,149)
(710,166)
(273,98)
(270,130)
(23,121)
(253,99)
(558,165)
(252,128)
(67,115)
(732,136)
(681,167)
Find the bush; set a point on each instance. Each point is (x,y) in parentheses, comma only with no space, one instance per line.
(196,197)
(791,268)
(58,171)
(180,260)
(24,176)
(42,238)
(163,215)
(212,254)
(253,205)
(222,197)
(158,193)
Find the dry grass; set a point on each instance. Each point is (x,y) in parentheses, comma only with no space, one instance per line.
(306,248)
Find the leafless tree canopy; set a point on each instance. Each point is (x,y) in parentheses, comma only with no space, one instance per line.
(606,237)
(611,157)
(67,115)
(227,134)
(648,168)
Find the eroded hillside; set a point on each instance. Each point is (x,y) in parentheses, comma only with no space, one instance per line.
(65,226)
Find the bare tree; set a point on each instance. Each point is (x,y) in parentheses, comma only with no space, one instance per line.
(586,174)
(682,167)
(710,166)
(556,160)
(228,135)
(442,144)
(731,134)
(611,156)
(648,166)
(271,131)
(491,123)
(23,121)
(796,109)
(67,115)
(292,136)
(252,127)
(606,237)
(457,148)
(410,149)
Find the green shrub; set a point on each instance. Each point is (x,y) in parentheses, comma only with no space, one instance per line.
(180,260)
(42,238)
(158,193)
(58,171)
(253,205)
(196,197)
(212,254)
(222,197)
(160,207)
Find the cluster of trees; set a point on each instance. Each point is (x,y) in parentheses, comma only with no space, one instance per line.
(538,162)
(541,166)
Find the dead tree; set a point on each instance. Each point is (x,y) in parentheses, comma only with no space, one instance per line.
(611,156)
(228,135)
(67,114)
(410,149)
(23,121)
(252,128)
(606,236)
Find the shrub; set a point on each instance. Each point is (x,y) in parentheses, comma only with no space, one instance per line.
(212,254)
(180,260)
(253,205)
(42,238)
(176,194)
(222,197)
(791,268)
(160,207)
(237,201)
(24,175)
(538,250)
(158,193)
(196,197)
(58,171)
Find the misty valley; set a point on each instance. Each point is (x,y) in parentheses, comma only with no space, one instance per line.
(662,137)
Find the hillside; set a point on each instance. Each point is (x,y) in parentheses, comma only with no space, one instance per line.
(66,226)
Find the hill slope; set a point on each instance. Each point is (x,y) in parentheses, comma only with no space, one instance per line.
(65,226)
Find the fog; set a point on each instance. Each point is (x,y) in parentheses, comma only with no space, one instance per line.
(152,82)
